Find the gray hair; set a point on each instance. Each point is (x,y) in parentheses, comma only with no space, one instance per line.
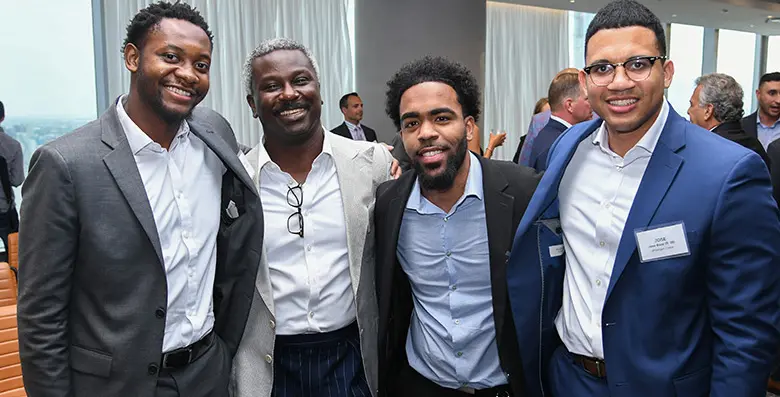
(724,94)
(269,46)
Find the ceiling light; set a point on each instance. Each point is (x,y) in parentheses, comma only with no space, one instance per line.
(674,15)
(571,1)
(752,26)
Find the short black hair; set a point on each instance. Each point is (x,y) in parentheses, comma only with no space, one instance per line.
(345,99)
(436,69)
(2,110)
(149,19)
(769,77)
(624,14)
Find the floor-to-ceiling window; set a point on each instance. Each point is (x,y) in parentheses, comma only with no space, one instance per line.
(737,58)
(685,50)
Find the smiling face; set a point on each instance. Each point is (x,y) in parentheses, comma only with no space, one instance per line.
(286,96)
(626,105)
(354,110)
(171,69)
(435,133)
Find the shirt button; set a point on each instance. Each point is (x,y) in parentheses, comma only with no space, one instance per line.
(607,206)
(268,358)
(459,354)
(308,248)
(446,219)
(160,312)
(454,287)
(598,282)
(457,322)
(449,253)
(311,314)
(272,324)
(601,243)
(152,369)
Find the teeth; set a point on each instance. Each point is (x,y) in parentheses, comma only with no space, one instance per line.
(291,112)
(623,102)
(431,153)
(179,91)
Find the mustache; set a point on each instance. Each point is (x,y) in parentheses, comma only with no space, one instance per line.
(291,106)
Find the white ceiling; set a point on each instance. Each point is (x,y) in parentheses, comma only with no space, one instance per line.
(745,15)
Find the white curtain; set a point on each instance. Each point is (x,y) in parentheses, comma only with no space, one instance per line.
(238,27)
(526,47)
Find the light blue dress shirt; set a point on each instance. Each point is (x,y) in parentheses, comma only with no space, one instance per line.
(767,135)
(452,336)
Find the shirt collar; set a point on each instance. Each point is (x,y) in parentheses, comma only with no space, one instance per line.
(264,158)
(416,201)
(136,138)
(350,125)
(760,124)
(560,120)
(648,141)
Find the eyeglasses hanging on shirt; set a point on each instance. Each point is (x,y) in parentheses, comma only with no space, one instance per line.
(295,199)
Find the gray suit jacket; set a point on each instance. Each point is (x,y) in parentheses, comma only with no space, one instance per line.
(92,286)
(361,167)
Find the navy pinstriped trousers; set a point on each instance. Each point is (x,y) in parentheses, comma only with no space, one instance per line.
(320,365)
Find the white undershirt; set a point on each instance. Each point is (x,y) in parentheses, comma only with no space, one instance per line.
(596,193)
(183,186)
(310,276)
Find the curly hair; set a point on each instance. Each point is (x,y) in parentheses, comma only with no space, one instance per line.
(435,69)
(149,19)
(724,94)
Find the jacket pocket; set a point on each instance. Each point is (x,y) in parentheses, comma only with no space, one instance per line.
(90,361)
(696,383)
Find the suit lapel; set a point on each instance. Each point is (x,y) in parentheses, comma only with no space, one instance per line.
(121,164)
(658,178)
(223,151)
(498,216)
(355,175)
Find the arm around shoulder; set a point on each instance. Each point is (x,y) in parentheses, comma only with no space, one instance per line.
(743,281)
(48,241)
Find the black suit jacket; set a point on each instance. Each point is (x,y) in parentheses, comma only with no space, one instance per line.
(750,124)
(543,142)
(508,188)
(343,130)
(734,132)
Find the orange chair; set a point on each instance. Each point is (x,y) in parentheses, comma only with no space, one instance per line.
(7,286)
(13,251)
(11,384)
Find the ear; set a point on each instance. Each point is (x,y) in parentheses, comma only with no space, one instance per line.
(668,73)
(251,101)
(471,127)
(709,112)
(132,57)
(568,105)
(583,77)
(758,93)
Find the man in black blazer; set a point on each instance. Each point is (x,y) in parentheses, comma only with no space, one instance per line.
(716,105)
(443,233)
(764,123)
(352,108)
(568,106)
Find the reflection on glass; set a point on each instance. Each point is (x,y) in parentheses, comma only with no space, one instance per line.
(737,58)
(686,51)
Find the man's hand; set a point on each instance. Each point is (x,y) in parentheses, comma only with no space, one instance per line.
(395,167)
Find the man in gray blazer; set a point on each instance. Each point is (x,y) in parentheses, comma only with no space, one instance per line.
(141,234)
(312,327)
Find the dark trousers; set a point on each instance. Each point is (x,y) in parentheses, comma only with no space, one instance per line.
(411,383)
(567,378)
(5,230)
(314,365)
(208,376)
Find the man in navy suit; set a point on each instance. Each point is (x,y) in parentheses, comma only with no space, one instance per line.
(568,106)
(647,262)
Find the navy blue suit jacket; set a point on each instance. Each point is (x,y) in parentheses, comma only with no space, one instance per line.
(701,324)
(543,142)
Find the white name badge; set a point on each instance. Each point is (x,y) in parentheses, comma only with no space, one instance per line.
(556,250)
(662,242)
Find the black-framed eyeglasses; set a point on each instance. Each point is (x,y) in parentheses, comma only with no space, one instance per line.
(637,69)
(295,199)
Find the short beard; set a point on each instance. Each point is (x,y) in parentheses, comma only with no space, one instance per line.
(446,179)
(154,99)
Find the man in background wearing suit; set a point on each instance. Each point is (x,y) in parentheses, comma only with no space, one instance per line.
(352,108)
(568,106)
(443,232)
(11,175)
(764,123)
(646,264)
(312,328)
(141,233)
(716,105)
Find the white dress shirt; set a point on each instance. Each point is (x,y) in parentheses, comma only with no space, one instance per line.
(356,131)
(310,275)
(183,186)
(595,194)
